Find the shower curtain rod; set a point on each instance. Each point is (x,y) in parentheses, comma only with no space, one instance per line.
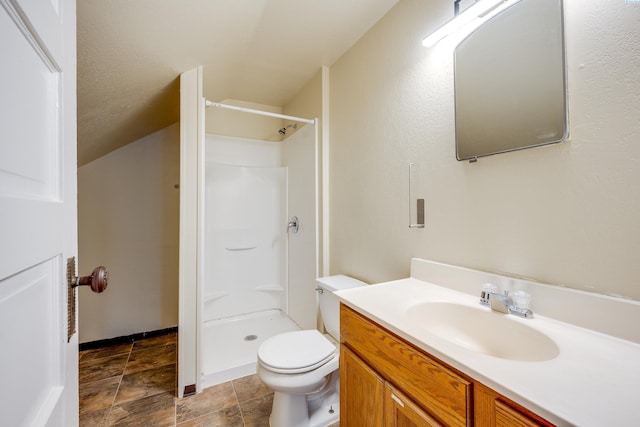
(208,103)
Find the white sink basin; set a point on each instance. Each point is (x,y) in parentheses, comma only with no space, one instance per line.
(483,331)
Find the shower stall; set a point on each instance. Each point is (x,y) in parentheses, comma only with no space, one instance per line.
(245,275)
(258,271)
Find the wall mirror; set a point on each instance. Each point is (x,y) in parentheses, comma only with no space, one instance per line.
(509,79)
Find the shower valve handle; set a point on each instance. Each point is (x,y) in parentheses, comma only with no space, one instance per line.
(97,281)
(293,224)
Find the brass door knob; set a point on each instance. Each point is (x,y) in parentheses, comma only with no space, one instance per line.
(97,281)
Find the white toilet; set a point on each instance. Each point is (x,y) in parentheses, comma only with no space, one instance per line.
(301,367)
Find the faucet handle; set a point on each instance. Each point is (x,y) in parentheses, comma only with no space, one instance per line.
(521,303)
(485,295)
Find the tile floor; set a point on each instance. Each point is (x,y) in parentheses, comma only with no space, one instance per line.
(134,384)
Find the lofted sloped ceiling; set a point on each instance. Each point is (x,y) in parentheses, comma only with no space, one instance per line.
(132,52)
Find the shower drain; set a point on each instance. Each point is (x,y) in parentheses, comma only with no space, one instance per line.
(251,338)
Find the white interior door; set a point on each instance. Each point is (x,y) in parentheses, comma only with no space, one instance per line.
(38,367)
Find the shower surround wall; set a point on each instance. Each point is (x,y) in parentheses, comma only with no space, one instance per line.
(258,281)
(245,240)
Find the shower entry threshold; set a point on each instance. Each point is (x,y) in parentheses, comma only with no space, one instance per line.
(230,345)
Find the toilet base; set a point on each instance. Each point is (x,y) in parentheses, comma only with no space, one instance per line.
(316,410)
(289,410)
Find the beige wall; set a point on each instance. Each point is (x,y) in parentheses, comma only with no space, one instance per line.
(242,124)
(128,221)
(308,102)
(566,214)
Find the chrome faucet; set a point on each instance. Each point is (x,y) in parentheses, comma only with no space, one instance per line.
(501,302)
(509,302)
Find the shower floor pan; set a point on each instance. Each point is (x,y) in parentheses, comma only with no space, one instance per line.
(230,345)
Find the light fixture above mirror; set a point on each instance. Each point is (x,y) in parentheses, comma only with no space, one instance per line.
(473,16)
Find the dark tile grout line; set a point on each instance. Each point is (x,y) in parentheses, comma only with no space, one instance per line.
(113,402)
(233,386)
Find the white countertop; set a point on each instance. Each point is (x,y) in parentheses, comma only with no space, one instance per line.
(593,381)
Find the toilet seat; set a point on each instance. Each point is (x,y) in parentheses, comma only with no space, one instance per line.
(296,352)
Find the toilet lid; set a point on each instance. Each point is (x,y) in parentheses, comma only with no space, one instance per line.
(296,352)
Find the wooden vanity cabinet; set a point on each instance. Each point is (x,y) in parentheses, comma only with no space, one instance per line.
(361,392)
(437,390)
(386,381)
(367,400)
(492,409)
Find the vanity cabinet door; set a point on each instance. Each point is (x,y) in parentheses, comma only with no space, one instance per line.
(509,417)
(400,411)
(494,410)
(361,392)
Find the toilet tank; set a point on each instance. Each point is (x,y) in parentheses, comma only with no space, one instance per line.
(330,304)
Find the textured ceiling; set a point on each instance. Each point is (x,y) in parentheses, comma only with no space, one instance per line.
(131,53)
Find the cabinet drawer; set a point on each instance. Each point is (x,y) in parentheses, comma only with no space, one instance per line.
(438,389)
